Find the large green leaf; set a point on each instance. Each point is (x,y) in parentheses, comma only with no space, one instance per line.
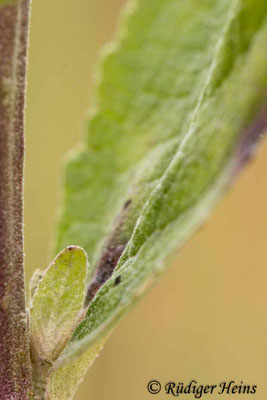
(151,83)
(179,109)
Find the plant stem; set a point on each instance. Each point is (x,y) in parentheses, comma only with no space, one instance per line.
(15,367)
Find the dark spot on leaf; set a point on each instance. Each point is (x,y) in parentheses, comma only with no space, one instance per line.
(105,269)
(117,280)
(127,203)
(70,248)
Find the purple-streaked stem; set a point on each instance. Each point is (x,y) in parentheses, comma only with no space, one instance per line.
(15,367)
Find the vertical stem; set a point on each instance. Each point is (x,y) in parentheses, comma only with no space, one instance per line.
(15,368)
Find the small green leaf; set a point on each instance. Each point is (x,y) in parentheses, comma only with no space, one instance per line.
(57,308)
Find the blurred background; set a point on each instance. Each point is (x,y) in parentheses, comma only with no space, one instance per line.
(207,317)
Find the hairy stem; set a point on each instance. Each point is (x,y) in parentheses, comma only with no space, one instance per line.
(15,367)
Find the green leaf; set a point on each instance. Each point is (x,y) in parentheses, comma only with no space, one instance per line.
(56,309)
(144,102)
(64,381)
(180,107)
(2,2)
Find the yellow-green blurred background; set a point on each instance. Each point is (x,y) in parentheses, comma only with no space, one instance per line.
(207,317)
